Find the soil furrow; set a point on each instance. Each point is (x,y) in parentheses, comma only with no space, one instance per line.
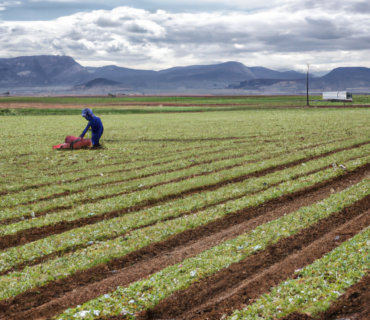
(61,294)
(33,234)
(77,247)
(243,282)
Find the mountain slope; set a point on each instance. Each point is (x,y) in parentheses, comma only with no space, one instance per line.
(264,73)
(343,78)
(41,71)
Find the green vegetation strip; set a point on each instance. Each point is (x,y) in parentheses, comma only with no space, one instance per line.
(147,293)
(29,175)
(156,174)
(110,165)
(112,228)
(152,194)
(116,185)
(109,174)
(17,282)
(317,285)
(117,111)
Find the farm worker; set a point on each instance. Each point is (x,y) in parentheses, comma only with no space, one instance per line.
(96,127)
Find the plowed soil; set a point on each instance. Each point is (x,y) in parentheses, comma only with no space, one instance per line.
(227,289)
(243,282)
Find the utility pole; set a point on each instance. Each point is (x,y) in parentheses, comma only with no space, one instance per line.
(308,71)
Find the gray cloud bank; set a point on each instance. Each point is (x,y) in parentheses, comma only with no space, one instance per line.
(281,34)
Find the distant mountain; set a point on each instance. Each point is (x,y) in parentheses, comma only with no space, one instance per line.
(224,72)
(344,78)
(173,78)
(64,71)
(41,71)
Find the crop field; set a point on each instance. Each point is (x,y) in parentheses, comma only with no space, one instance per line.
(236,214)
(155,104)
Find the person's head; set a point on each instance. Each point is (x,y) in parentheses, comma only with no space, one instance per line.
(87,114)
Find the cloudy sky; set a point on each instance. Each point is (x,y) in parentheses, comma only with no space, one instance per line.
(157,34)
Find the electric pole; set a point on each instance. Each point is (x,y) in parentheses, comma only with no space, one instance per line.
(308,71)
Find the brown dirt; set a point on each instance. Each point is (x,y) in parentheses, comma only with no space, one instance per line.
(241,283)
(74,248)
(33,234)
(299,316)
(68,292)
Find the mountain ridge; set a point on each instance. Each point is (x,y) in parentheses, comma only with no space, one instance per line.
(54,70)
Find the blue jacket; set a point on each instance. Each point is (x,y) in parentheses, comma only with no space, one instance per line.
(96,128)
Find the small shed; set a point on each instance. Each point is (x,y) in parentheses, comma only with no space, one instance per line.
(334,96)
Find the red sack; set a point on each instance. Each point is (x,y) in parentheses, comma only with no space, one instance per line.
(83,143)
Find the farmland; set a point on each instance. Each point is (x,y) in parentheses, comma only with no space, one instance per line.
(247,212)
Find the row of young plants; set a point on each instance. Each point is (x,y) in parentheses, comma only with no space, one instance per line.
(25,210)
(15,283)
(145,294)
(108,174)
(317,285)
(213,162)
(152,194)
(89,169)
(139,150)
(107,164)
(112,190)
(108,161)
(112,228)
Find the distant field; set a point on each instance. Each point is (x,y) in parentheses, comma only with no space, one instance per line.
(174,100)
(127,105)
(187,216)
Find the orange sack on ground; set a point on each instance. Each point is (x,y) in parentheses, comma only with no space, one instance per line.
(69,143)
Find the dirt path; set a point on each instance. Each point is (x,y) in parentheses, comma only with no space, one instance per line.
(86,285)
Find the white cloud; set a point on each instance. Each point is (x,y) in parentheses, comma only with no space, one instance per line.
(286,35)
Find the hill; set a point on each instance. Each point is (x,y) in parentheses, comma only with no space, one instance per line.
(99,82)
